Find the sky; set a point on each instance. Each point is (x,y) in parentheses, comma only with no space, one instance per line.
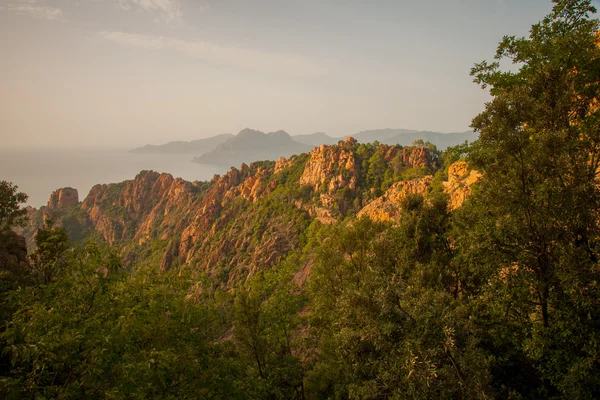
(109,73)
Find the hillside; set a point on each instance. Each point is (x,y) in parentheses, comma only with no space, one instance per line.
(249,218)
(198,146)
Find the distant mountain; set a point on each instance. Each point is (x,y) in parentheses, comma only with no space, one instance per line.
(179,147)
(380,134)
(316,139)
(250,145)
(406,137)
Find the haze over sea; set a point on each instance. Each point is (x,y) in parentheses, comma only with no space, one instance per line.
(38,172)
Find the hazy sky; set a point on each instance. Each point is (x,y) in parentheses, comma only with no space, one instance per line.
(127,72)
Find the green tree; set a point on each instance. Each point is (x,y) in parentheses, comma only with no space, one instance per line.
(265,327)
(529,235)
(13,251)
(385,314)
(376,172)
(50,256)
(14,267)
(96,331)
(11,213)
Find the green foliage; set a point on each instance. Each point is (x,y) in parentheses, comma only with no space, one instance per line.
(385,313)
(498,299)
(98,332)
(13,251)
(76,222)
(531,230)
(11,213)
(50,256)
(383,165)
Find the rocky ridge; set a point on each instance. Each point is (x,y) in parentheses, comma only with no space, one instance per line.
(63,198)
(251,217)
(460,179)
(388,207)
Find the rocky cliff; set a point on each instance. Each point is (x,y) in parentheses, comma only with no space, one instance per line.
(334,165)
(388,206)
(62,198)
(460,179)
(253,216)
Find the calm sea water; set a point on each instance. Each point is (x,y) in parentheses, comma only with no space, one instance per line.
(39,172)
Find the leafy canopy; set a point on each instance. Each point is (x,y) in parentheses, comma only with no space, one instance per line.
(11,213)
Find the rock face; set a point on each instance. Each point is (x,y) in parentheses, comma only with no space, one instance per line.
(62,198)
(336,164)
(133,209)
(282,164)
(387,207)
(460,179)
(61,201)
(249,218)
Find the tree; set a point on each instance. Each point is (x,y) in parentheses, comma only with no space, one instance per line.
(12,248)
(50,256)
(97,331)
(385,313)
(13,251)
(530,233)
(14,267)
(265,328)
(11,213)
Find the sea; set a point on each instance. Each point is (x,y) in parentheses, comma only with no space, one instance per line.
(38,172)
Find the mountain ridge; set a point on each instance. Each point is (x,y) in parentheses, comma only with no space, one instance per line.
(404,137)
(183,147)
(251,145)
(249,218)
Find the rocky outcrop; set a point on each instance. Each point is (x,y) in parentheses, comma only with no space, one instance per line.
(62,198)
(282,164)
(418,157)
(321,214)
(388,206)
(460,179)
(335,164)
(458,187)
(170,256)
(251,217)
(250,187)
(61,202)
(135,209)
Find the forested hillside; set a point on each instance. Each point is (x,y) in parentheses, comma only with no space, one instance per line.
(359,271)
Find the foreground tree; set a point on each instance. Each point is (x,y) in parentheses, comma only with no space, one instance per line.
(96,331)
(265,333)
(11,213)
(50,256)
(13,250)
(530,234)
(14,266)
(385,315)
